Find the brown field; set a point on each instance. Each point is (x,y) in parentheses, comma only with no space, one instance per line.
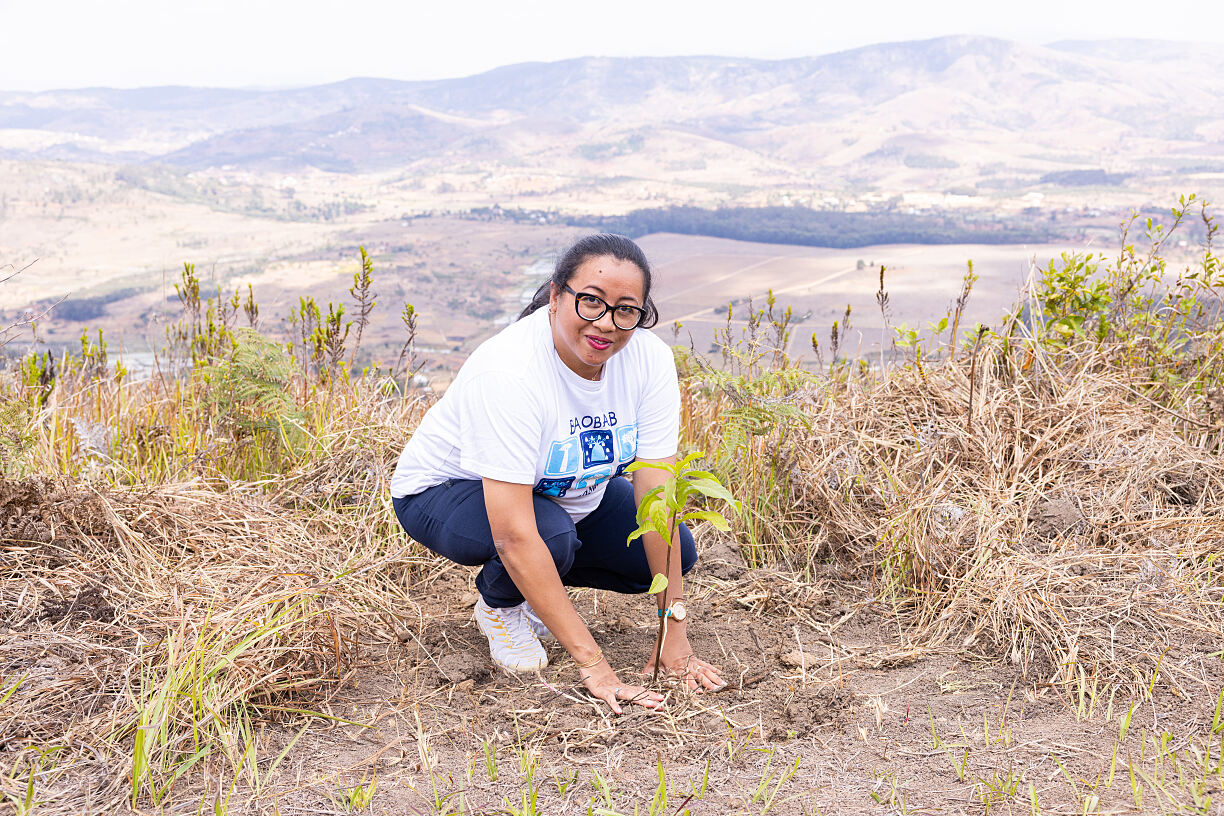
(699,276)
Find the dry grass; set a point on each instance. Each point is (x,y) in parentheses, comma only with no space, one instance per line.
(200,601)
(1061,523)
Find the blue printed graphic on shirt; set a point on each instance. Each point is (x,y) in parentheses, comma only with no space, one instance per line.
(596,448)
(592,478)
(553,487)
(626,442)
(587,457)
(562,458)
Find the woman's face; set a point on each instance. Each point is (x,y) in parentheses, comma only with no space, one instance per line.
(585,345)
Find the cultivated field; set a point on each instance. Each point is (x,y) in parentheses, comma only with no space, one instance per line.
(699,276)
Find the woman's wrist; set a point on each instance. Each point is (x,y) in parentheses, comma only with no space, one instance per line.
(587,655)
(600,672)
(593,660)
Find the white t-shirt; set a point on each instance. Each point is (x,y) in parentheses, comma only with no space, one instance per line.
(516,413)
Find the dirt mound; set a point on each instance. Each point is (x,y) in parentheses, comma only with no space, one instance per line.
(21,509)
(720,556)
(1054,517)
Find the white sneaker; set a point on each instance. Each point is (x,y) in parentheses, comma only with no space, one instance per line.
(512,643)
(537,625)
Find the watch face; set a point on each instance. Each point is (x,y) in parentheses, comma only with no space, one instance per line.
(678,610)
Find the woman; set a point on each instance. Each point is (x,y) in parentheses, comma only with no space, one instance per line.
(518,468)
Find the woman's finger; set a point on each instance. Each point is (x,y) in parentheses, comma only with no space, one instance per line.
(642,696)
(698,674)
(710,678)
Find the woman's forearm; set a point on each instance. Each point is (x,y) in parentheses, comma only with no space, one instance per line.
(532,569)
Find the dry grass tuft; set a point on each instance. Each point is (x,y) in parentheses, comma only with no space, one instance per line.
(173,611)
(1062,523)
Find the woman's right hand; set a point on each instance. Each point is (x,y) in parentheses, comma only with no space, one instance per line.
(603,684)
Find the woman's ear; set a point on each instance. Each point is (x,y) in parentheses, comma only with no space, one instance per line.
(553,294)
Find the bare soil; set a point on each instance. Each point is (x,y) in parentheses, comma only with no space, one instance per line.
(826,684)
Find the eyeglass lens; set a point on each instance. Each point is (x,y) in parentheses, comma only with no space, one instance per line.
(592,308)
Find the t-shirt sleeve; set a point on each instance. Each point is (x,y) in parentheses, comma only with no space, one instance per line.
(659,411)
(499,427)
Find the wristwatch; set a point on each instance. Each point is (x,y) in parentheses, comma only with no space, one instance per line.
(676,611)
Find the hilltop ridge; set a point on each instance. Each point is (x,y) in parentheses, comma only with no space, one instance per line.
(967,100)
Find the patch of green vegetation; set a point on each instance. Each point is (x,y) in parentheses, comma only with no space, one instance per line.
(928,161)
(602,151)
(803,226)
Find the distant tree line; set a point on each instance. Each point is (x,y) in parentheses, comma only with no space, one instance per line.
(1084,178)
(803,226)
(88,308)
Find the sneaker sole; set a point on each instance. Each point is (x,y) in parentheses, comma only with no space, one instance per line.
(520,670)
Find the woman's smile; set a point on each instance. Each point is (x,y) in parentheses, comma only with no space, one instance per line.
(585,345)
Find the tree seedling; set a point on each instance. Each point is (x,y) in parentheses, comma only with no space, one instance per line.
(663,509)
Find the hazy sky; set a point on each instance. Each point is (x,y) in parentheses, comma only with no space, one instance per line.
(129,43)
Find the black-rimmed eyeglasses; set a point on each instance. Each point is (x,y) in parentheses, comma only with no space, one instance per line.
(591,307)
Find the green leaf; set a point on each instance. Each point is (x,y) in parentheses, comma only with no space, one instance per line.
(669,492)
(712,516)
(640,531)
(649,500)
(711,488)
(658,518)
(658,584)
(692,457)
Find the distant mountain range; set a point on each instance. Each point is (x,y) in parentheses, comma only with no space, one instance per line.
(997,108)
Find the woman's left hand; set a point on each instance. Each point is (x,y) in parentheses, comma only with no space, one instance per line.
(679,661)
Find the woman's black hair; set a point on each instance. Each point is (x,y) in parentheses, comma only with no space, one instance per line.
(593,246)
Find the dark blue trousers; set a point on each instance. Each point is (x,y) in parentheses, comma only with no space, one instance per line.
(450,519)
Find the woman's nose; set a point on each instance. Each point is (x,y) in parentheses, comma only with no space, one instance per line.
(605,322)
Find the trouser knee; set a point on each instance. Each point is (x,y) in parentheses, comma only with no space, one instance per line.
(562,545)
(688,550)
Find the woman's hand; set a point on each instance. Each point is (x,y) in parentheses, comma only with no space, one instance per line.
(679,661)
(603,684)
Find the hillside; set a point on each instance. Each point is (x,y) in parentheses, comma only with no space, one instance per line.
(974,109)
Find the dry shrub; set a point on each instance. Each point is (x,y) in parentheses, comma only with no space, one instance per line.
(1063,523)
(194,605)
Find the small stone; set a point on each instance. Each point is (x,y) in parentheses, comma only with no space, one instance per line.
(796,659)
(457,667)
(469,599)
(466,685)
